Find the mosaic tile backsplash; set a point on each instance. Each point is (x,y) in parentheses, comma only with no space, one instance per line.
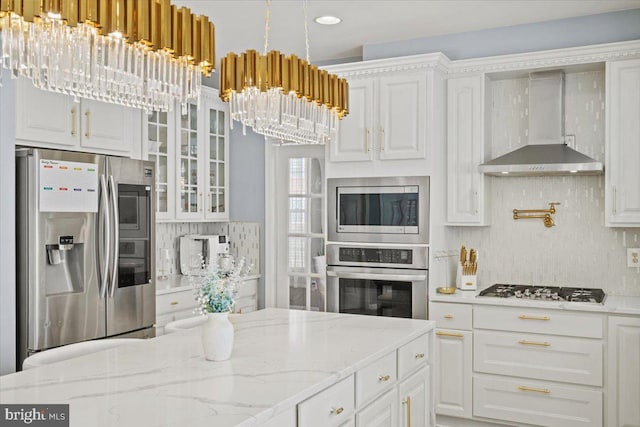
(244,238)
(579,250)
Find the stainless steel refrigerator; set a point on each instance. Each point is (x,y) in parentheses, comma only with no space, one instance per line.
(85,242)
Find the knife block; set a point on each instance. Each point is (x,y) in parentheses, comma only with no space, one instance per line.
(468,282)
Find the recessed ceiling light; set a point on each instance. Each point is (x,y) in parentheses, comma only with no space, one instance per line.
(328,20)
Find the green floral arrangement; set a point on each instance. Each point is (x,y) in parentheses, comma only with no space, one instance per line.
(218,290)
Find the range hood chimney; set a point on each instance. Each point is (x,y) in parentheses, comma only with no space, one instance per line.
(546,152)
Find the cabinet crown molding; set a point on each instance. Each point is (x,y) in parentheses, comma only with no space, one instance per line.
(431,61)
(548,58)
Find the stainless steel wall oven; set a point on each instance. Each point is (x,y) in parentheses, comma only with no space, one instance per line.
(378,280)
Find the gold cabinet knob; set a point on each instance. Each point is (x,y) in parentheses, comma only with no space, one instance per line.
(448,316)
(419,356)
(174,302)
(337,411)
(384,378)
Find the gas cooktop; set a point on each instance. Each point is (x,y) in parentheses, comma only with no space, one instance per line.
(544,293)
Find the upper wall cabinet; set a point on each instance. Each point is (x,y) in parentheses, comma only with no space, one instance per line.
(391,123)
(467,188)
(52,120)
(191,149)
(386,119)
(622,173)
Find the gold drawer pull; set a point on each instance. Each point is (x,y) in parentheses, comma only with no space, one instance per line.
(448,316)
(337,411)
(541,344)
(449,334)
(383,378)
(536,390)
(525,317)
(174,302)
(419,356)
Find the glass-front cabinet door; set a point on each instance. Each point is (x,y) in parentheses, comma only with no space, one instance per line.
(161,150)
(190,148)
(189,158)
(216,168)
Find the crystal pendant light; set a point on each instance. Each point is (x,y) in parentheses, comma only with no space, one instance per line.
(138,53)
(283,97)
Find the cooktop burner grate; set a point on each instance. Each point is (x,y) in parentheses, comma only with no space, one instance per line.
(544,293)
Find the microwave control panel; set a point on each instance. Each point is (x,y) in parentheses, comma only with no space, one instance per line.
(376,255)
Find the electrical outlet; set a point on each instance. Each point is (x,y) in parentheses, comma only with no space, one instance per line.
(633,257)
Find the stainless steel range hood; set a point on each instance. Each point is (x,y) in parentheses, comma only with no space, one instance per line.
(547,152)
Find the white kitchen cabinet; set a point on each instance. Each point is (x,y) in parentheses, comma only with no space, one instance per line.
(383,412)
(467,189)
(53,120)
(159,139)
(622,151)
(395,119)
(623,394)
(454,372)
(354,142)
(414,395)
(535,402)
(191,151)
(389,119)
(202,160)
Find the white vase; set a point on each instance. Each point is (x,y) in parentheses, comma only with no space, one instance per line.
(217,337)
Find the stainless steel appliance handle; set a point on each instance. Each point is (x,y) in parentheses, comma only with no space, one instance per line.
(371,276)
(116,236)
(105,225)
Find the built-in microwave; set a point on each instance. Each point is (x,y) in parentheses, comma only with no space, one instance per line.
(379,210)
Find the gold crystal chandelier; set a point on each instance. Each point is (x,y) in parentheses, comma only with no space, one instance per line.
(283,97)
(138,53)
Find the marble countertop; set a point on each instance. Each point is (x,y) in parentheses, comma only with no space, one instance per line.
(280,357)
(179,283)
(613,304)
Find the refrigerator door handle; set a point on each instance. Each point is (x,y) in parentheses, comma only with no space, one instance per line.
(116,236)
(105,239)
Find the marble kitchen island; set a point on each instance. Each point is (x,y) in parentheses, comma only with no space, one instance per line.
(280,359)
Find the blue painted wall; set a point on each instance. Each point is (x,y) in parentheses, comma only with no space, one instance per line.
(246,181)
(571,32)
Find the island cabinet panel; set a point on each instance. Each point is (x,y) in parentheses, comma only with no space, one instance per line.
(383,412)
(414,395)
(412,355)
(331,407)
(375,379)
(536,402)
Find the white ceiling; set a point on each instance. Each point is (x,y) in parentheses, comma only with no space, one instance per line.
(240,23)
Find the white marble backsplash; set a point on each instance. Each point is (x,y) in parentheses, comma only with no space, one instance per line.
(244,238)
(579,250)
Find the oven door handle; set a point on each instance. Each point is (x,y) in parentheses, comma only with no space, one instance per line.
(374,276)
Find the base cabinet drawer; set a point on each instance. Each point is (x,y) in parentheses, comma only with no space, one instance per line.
(450,315)
(545,357)
(536,402)
(539,321)
(375,378)
(381,413)
(331,407)
(176,301)
(413,355)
